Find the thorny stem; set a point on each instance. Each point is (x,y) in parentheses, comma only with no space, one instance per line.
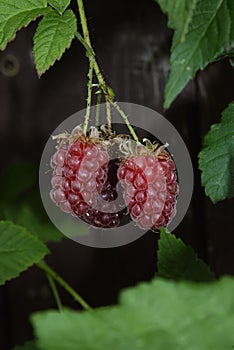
(54,291)
(89,97)
(43,266)
(83,42)
(125,118)
(85,30)
(106,90)
(99,97)
(108,115)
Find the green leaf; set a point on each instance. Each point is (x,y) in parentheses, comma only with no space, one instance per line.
(53,36)
(179,15)
(210,33)
(216,160)
(60,5)
(158,315)
(15,14)
(18,250)
(179,262)
(31,345)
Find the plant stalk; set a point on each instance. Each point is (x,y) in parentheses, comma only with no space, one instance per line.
(96,68)
(43,266)
(125,118)
(54,291)
(108,92)
(108,115)
(99,97)
(89,96)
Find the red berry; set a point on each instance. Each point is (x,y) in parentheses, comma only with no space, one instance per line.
(82,178)
(150,189)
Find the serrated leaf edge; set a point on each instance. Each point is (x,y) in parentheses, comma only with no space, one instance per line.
(169,101)
(209,147)
(188,247)
(43,12)
(47,251)
(40,73)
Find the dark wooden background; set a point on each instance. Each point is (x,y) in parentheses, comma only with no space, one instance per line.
(132,44)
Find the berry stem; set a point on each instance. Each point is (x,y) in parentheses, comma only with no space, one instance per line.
(85,30)
(54,291)
(125,118)
(107,91)
(108,115)
(89,96)
(99,97)
(89,50)
(43,266)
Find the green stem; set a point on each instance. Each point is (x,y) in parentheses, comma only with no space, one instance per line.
(108,115)
(99,97)
(125,118)
(43,266)
(89,97)
(85,30)
(55,292)
(108,93)
(83,42)
(84,22)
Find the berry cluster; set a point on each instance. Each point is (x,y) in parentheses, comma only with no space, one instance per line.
(84,182)
(150,189)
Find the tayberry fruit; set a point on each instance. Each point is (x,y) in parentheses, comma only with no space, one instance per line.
(150,188)
(84,180)
(82,184)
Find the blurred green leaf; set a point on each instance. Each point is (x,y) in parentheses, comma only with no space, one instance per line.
(179,262)
(216,160)
(158,315)
(53,36)
(232,62)
(31,214)
(18,250)
(20,201)
(16,179)
(15,14)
